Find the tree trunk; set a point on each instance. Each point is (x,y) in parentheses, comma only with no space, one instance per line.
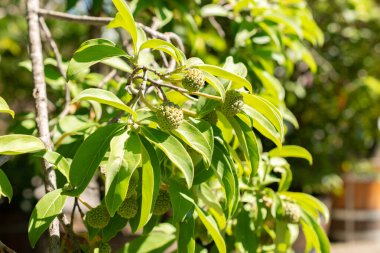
(42,117)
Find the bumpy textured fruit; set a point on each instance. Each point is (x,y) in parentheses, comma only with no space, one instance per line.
(133,183)
(104,248)
(233,103)
(169,116)
(211,118)
(98,217)
(128,209)
(193,80)
(292,212)
(162,204)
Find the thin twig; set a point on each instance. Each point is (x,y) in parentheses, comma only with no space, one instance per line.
(217,26)
(42,118)
(100,21)
(58,58)
(107,78)
(85,203)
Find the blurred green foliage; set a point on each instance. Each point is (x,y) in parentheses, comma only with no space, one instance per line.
(339,111)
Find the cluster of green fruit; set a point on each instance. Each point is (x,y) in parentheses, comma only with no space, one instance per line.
(170,115)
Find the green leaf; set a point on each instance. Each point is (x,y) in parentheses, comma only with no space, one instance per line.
(5,108)
(267,109)
(216,84)
(210,225)
(282,240)
(173,149)
(292,151)
(309,203)
(47,208)
(156,241)
(88,157)
(92,52)
(284,20)
(324,243)
(224,171)
(270,83)
(189,134)
(117,176)
(248,143)
(15,144)
(114,226)
(186,242)
(218,71)
(245,232)
(181,207)
(125,20)
(214,207)
(5,186)
(262,125)
(57,160)
(164,46)
(105,97)
(150,185)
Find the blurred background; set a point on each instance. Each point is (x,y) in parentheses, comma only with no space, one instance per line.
(337,106)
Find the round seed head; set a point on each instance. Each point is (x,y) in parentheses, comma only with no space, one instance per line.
(193,80)
(233,103)
(98,217)
(169,116)
(128,209)
(162,204)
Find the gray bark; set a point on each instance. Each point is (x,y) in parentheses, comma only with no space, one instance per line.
(42,117)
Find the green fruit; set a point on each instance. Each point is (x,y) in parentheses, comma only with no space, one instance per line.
(169,116)
(233,103)
(162,204)
(211,118)
(193,80)
(128,209)
(104,248)
(292,213)
(98,217)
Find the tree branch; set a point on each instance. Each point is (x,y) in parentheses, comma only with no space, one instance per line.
(41,101)
(58,58)
(100,21)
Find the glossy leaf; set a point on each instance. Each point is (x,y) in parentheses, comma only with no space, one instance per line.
(58,161)
(189,134)
(88,157)
(117,176)
(248,143)
(92,52)
(15,144)
(156,241)
(324,243)
(173,149)
(308,202)
(210,225)
(215,83)
(104,97)
(46,210)
(5,186)
(261,124)
(164,46)
(292,151)
(4,108)
(208,197)
(181,207)
(217,71)
(267,109)
(186,241)
(150,185)
(114,226)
